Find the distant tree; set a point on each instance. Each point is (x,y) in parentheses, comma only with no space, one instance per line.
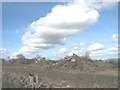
(20,56)
(38,57)
(21,59)
(3,60)
(8,57)
(87,54)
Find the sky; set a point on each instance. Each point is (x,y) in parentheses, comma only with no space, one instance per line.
(58,29)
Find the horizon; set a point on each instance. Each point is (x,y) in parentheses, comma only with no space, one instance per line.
(57,29)
(59,59)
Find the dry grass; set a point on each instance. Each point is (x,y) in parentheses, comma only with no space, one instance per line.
(15,76)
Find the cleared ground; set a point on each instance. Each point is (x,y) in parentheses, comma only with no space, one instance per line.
(56,79)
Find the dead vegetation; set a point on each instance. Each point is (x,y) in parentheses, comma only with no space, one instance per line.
(78,64)
(70,72)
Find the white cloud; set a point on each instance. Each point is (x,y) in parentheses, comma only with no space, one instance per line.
(73,51)
(70,50)
(75,44)
(96,53)
(112,51)
(66,51)
(82,43)
(62,22)
(75,48)
(78,44)
(14,55)
(95,47)
(107,51)
(61,52)
(101,4)
(57,26)
(2,52)
(115,37)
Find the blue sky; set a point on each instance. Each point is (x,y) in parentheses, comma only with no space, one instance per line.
(16,17)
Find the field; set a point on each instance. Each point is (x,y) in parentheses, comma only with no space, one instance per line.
(17,76)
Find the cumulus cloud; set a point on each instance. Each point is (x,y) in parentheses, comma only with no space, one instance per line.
(62,51)
(62,22)
(68,51)
(73,50)
(115,37)
(14,55)
(79,44)
(101,4)
(97,53)
(2,52)
(82,43)
(95,47)
(105,51)
(112,50)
